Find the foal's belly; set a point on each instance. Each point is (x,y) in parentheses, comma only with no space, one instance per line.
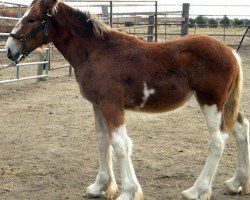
(158,97)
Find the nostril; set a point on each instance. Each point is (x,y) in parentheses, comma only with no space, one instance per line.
(9,54)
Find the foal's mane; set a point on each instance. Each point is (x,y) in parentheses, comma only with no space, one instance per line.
(86,20)
(90,22)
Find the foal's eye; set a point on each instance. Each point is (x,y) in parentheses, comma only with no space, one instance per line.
(31,20)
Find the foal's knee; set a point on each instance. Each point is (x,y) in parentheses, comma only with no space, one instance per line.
(121,143)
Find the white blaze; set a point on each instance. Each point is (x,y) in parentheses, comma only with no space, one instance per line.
(10,44)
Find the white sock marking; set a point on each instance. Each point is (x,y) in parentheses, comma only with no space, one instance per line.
(105,177)
(242,173)
(123,148)
(203,184)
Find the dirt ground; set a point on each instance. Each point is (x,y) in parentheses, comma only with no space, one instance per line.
(48,147)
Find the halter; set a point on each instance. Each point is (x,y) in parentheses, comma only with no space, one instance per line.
(43,26)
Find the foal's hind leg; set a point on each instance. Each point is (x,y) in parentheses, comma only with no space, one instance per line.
(202,188)
(105,180)
(240,182)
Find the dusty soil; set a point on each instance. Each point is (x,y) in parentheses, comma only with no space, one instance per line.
(48,147)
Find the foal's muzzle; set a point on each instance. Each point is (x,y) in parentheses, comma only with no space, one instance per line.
(9,54)
(13,57)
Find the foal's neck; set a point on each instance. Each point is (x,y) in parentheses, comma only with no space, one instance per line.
(75,44)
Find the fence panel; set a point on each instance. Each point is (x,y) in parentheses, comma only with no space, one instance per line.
(231,33)
(41,74)
(146,19)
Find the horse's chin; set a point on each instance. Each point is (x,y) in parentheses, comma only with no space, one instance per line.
(18,58)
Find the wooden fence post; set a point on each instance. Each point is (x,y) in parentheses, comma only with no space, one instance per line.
(19,11)
(156,20)
(41,67)
(105,11)
(151,21)
(111,14)
(185,14)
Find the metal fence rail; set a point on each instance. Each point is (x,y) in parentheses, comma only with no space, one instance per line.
(44,64)
(144,18)
(10,18)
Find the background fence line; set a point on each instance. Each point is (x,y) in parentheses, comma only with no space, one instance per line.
(146,19)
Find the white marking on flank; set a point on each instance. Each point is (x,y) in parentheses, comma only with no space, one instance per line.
(146,92)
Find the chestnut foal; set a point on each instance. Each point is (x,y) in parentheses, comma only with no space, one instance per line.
(116,71)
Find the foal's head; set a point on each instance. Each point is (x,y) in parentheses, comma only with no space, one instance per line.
(33,29)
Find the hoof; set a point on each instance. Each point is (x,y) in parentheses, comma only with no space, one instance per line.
(232,187)
(94,191)
(129,196)
(111,191)
(192,194)
(246,188)
(139,194)
(125,196)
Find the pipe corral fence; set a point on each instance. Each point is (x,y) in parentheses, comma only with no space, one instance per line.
(146,19)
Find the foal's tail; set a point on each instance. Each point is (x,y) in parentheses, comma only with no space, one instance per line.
(232,103)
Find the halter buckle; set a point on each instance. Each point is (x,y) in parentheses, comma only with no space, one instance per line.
(49,15)
(23,38)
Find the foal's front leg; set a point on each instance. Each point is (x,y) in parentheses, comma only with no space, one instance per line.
(122,145)
(105,180)
(131,189)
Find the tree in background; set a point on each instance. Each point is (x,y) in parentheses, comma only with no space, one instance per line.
(246,22)
(200,21)
(238,22)
(213,23)
(225,21)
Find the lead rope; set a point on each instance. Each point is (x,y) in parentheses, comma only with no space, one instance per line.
(13,63)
